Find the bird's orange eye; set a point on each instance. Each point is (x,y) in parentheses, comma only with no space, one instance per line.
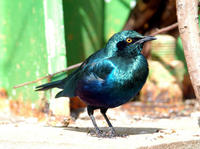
(129,40)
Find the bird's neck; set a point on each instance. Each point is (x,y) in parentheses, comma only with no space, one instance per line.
(140,68)
(133,68)
(130,52)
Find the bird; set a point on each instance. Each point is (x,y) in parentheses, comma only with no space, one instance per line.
(110,77)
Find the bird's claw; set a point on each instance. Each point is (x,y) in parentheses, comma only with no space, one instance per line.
(97,133)
(112,133)
(105,134)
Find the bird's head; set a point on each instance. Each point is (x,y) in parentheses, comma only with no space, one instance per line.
(127,43)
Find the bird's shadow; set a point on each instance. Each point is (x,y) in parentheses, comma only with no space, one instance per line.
(120,130)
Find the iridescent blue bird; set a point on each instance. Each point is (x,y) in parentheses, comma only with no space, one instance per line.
(108,78)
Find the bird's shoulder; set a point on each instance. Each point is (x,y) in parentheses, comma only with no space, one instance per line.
(106,65)
(97,56)
(99,70)
(111,66)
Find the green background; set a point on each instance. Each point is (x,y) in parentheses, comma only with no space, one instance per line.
(40,37)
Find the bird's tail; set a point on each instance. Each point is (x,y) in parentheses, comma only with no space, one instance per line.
(50,85)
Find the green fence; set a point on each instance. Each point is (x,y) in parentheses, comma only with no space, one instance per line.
(35,34)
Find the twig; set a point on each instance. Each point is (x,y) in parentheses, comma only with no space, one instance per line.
(165,29)
(48,76)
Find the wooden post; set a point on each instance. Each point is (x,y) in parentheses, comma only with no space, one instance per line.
(187,13)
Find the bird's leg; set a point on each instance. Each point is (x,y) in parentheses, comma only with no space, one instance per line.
(112,130)
(90,111)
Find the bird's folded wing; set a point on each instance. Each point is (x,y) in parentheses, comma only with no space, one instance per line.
(90,73)
(99,70)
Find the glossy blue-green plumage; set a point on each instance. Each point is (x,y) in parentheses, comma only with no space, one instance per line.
(111,76)
(121,81)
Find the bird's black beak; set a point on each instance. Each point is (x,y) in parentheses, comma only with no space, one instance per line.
(145,39)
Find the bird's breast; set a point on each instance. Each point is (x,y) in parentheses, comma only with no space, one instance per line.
(129,75)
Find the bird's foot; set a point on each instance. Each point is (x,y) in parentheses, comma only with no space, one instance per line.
(112,133)
(106,134)
(96,133)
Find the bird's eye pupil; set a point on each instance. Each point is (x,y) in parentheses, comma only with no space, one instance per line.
(129,40)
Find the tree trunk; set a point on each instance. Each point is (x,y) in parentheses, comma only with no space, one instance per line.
(187,13)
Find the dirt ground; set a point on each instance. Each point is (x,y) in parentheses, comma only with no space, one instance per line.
(142,132)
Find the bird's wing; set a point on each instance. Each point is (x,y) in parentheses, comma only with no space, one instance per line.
(99,70)
(93,72)
(91,64)
(97,56)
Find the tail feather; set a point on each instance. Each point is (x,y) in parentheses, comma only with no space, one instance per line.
(50,85)
(60,94)
(68,85)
